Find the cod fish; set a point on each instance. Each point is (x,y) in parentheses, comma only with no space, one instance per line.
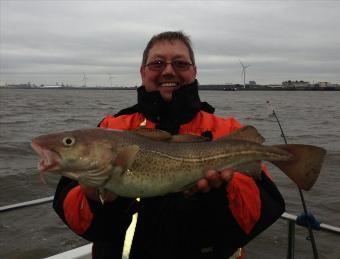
(149,162)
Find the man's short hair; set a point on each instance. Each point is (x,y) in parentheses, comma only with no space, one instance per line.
(169,36)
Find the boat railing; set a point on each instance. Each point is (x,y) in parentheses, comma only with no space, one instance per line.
(293,220)
(26,204)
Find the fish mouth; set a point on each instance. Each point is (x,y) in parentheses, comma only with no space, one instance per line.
(49,160)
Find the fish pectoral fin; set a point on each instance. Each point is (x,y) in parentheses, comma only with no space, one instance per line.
(246,133)
(154,134)
(305,168)
(126,157)
(187,186)
(188,138)
(117,170)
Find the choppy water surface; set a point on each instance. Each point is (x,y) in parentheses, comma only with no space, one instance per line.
(306,117)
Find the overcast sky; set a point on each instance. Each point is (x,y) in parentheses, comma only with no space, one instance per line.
(45,42)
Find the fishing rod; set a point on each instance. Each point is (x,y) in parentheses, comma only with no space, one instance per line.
(307,217)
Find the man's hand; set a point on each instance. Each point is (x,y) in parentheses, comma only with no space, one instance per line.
(212,179)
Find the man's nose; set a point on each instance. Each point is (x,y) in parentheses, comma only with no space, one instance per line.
(168,69)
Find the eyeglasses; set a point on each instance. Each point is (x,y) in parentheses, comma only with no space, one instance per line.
(178,65)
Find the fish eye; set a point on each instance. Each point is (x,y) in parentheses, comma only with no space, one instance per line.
(69,141)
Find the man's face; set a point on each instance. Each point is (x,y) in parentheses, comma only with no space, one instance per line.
(168,79)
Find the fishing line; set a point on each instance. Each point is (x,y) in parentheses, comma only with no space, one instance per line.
(307,221)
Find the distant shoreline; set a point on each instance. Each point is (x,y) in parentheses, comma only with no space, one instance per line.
(200,87)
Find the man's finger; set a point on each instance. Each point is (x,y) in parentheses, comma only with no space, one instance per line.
(203,185)
(227,174)
(214,179)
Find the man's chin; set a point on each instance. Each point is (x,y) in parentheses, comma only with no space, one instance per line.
(167,93)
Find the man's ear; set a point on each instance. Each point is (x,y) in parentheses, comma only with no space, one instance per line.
(195,71)
(142,73)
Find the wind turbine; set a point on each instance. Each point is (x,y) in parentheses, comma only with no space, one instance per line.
(244,67)
(84,79)
(110,79)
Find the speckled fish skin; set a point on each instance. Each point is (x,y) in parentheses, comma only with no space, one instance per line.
(134,165)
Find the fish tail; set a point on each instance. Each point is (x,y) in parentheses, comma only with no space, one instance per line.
(305,168)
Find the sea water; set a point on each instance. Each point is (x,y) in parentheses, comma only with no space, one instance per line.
(309,117)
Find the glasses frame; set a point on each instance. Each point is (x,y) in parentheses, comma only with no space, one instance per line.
(162,65)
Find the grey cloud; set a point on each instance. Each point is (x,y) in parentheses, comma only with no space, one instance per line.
(41,40)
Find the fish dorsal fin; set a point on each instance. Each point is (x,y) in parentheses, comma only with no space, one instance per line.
(247,133)
(188,138)
(154,134)
(161,135)
(126,157)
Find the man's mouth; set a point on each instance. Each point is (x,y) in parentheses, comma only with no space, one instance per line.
(169,84)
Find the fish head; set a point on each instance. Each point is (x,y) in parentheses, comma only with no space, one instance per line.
(82,155)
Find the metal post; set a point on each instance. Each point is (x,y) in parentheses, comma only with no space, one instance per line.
(291,239)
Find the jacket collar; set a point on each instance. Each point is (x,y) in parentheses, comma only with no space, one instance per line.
(169,116)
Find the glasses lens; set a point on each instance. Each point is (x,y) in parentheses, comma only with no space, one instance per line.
(159,65)
(156,65)
(181,65)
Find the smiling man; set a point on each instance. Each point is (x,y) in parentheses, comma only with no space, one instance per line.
(213,219)
(167,65)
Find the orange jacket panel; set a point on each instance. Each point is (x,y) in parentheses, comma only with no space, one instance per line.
(77,210)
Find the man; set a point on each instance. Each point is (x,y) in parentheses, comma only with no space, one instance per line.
(223,212)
